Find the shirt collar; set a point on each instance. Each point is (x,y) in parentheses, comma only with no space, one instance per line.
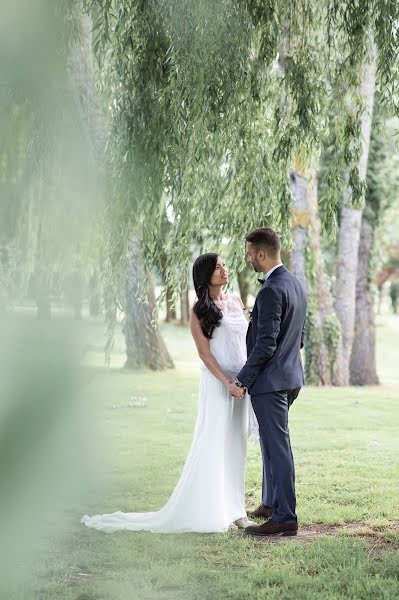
(267,275)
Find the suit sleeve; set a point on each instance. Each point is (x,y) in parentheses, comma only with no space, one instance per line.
(268,328)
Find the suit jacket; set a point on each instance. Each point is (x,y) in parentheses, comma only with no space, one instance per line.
(275,336)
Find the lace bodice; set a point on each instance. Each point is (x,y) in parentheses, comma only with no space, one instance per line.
(228,343)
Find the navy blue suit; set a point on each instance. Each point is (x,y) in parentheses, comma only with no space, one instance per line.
(273,375)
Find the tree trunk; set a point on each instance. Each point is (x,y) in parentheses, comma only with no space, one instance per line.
(345,302)
(322,333)
(144,344)
(363,369)
(349,232)
(300,225)
(322,340)
(243,285)
(184,308)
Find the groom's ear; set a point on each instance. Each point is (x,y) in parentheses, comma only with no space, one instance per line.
(261,254)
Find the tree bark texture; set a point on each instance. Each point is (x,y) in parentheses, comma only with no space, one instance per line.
(145,346)
(349,232)
(363,370)
(300,225)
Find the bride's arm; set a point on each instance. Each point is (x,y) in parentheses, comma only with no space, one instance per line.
(205,354)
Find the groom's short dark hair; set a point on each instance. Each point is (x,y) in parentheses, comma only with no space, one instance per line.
(265,239)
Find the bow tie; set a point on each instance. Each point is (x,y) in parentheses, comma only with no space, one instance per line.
(262,281)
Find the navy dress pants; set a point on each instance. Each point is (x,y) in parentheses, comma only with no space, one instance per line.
(278,486)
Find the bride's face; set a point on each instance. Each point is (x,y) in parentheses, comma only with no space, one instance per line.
(220,275)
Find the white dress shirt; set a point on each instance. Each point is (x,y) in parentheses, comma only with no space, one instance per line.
(271,271)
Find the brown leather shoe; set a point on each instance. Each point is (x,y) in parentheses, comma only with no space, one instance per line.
(272,528)
(262,511)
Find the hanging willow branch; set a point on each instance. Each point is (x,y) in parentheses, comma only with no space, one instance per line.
(198,124)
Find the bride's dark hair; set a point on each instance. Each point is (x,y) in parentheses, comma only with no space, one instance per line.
(209,315)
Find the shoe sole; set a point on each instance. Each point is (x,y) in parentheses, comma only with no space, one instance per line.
(278,534)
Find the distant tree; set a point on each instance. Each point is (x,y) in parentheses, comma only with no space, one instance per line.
(381,193)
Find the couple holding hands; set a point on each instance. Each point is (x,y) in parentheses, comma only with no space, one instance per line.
(250,375)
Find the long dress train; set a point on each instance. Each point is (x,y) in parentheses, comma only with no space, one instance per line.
(210,492)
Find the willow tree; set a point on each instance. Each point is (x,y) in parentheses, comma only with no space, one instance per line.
(331,320)
(181,124)
(198,122)
(351,218)
(323,339)
(197,128)
(328,339)
(351,85)
(381,194)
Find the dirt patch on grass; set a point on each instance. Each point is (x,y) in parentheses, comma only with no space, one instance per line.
(380,538)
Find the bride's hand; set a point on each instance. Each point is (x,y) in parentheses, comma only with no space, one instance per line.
(236,391)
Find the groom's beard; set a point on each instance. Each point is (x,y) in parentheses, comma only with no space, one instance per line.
(256,266)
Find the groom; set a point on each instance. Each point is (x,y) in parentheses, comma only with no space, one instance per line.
(273,375)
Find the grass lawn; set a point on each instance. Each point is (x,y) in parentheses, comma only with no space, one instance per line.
(346,447)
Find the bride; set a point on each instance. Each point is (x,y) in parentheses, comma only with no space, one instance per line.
(210,494)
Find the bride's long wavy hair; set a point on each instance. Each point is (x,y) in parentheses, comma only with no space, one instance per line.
(208,313)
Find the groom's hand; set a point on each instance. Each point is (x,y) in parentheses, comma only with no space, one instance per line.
(236,391)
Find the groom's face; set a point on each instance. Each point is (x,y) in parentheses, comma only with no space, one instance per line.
(253,258)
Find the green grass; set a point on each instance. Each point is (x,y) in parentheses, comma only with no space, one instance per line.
(346,447)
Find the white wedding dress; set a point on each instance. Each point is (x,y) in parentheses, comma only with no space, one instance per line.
(210,493)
